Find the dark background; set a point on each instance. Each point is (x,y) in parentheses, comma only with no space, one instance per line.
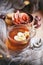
(38,4)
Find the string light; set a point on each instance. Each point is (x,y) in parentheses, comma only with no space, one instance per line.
(8,56)
(1,56)
(26,2)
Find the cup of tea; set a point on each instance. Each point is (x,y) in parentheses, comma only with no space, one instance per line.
(19,37)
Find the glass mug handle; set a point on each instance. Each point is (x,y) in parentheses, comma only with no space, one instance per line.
(32,32)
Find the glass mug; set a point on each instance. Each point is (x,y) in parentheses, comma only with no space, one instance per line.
(19,45)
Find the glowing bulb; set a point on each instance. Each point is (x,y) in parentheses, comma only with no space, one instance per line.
(1,56)
(26,2)
(8,56)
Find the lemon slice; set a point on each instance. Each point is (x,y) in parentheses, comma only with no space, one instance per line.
(16,38)
(22,38)
(20,34)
